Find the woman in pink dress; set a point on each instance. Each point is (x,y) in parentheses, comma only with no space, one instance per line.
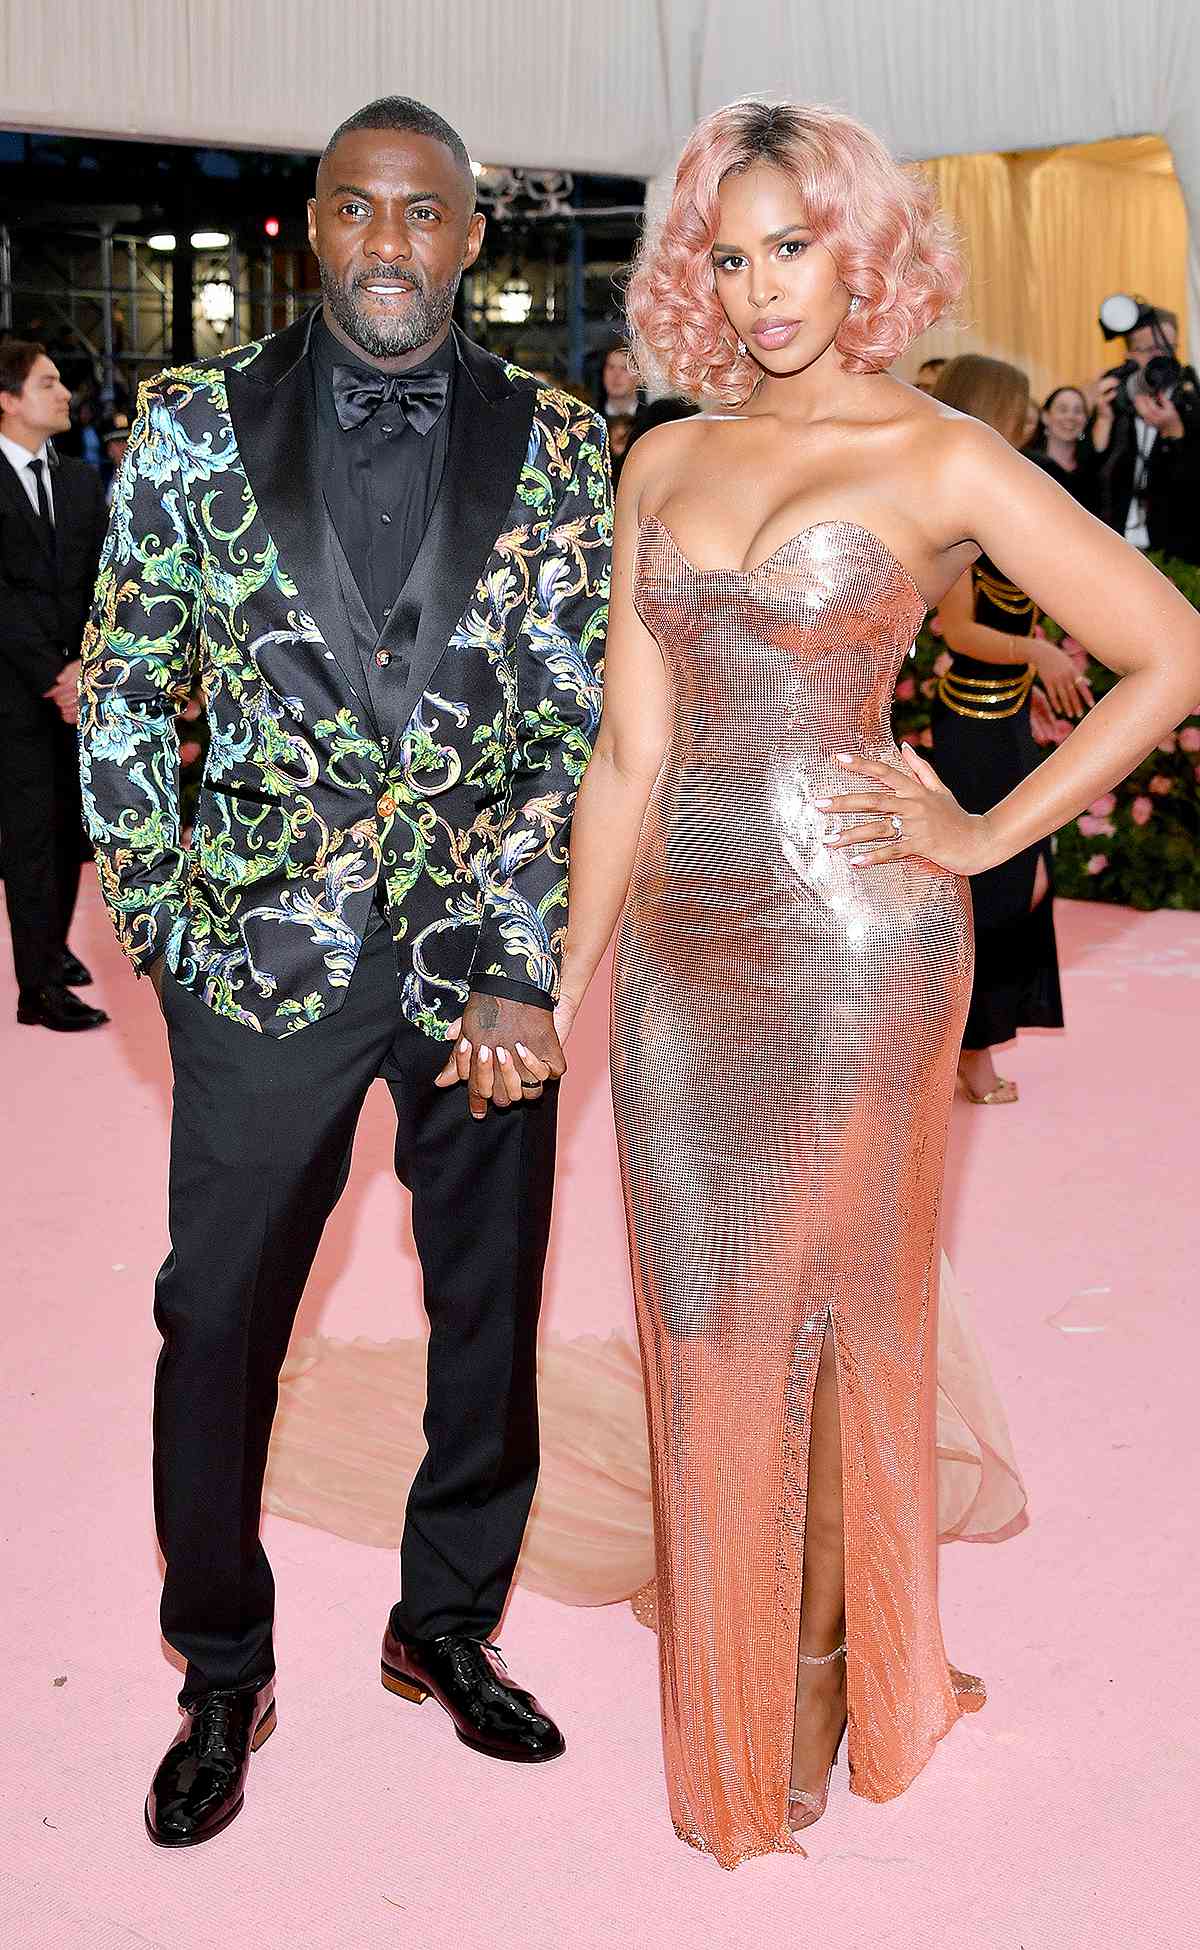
(794,961)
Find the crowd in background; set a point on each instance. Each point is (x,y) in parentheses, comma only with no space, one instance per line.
(1126,454)
(1126,444)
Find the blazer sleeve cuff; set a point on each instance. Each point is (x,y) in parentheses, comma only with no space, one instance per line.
(511,991)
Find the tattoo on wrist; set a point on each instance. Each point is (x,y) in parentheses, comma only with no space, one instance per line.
(487,1009)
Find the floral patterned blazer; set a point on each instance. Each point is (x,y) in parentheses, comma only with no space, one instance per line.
(438,758)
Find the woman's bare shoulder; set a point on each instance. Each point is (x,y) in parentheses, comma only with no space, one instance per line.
(937,444)
(656,459)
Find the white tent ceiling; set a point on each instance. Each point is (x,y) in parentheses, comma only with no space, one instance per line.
(611,85)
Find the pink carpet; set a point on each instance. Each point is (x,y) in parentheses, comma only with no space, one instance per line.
(1062,1818)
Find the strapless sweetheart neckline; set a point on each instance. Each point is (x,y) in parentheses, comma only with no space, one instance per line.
(810,528)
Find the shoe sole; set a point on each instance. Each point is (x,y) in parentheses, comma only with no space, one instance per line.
(60,1028)
(402,1687)
(265,1730)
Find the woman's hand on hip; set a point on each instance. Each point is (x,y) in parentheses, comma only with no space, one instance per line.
(917,817)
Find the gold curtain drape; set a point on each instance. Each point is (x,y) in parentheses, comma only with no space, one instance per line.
(1047,234)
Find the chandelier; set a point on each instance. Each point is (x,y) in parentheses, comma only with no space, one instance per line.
(526,192)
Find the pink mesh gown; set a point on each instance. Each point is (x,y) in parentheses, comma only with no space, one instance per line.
(785,1036)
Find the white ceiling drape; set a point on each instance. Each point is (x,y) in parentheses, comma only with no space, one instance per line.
(612,85)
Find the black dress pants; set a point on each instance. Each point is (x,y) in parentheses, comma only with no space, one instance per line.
(260,1151)
(41,831)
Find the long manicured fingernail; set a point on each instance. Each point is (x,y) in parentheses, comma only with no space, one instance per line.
(501,1054)
(521,1050)
(844,758)
(485,1054)
(823,804)
(465,1045)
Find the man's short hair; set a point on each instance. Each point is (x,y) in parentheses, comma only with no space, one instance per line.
(18,357)
(935,364)
(1160,314)
(405,116)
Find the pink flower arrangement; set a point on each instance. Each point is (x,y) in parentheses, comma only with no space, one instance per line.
(924,738)
(934,625)
(928,686)
(1168,744)
(1095,828)
(1101,807)
(943,661)
(1189,738)
(906,688)
(1142,810)
(1160,785)
(1097,863)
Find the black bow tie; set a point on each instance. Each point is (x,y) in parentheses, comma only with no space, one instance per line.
(420,396)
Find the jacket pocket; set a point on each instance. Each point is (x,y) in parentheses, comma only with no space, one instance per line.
(254,792)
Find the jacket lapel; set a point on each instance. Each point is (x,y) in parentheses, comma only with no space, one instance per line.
(19,500)
(274,416)
(489,440)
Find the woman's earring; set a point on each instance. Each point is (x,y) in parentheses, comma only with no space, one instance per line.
(855,302)
(741,348)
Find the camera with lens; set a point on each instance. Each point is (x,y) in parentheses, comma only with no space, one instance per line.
(1162,376)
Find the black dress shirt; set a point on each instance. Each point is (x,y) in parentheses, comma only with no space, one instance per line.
(380,478)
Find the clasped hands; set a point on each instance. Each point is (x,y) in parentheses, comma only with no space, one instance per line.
(64,692)
(933,825)
(505,1052)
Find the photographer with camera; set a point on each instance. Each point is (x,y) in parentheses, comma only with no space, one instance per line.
(1146,432)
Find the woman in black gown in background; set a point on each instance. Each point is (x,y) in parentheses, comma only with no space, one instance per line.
(983,746)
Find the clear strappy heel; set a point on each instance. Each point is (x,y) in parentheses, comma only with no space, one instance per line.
(804,1805)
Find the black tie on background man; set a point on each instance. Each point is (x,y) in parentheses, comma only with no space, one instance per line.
(52,520)
(388,554)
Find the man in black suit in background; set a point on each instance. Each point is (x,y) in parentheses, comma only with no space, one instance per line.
(52,522)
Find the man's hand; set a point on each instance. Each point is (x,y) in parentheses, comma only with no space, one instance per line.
(1102,397)
(505,1052)
(1159,413)
(64,694)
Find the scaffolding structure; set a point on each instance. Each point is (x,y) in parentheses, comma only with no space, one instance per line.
(100,297)
(114,307)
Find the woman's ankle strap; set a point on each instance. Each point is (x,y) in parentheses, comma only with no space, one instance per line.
(821,1658)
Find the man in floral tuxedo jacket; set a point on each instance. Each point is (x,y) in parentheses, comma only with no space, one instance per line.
(386,555)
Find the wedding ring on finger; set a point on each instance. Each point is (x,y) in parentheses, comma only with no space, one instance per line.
(897,825)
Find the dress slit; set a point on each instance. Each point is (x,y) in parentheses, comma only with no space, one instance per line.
(829,1321)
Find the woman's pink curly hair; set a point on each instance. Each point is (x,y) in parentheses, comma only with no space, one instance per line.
(891,245)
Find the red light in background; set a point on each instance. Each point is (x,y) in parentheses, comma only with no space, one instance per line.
(271,226)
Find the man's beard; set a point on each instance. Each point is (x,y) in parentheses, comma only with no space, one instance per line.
(386,338)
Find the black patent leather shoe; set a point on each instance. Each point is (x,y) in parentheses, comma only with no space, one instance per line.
(467,1677)
(201,1780)
(54,1007)
(72,973)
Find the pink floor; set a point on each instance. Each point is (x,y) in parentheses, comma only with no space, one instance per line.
(1062,1818)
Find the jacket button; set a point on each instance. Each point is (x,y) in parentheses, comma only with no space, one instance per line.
(386,806)
(383,658)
